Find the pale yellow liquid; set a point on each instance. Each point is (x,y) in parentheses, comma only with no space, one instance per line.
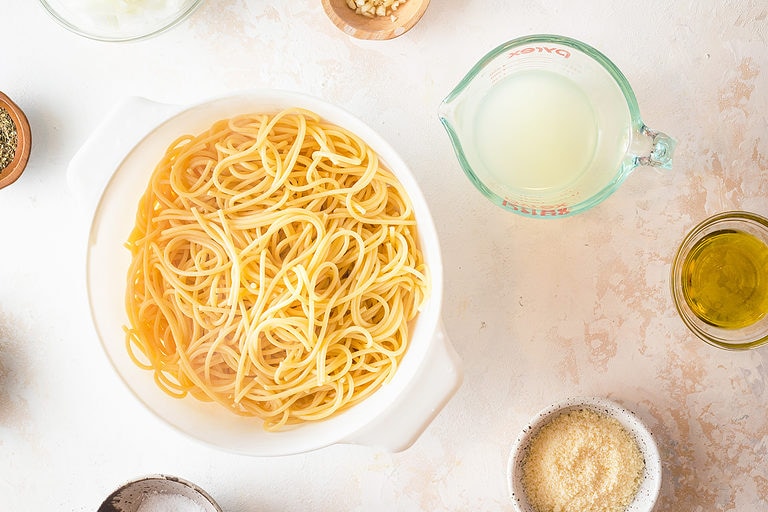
(536,130)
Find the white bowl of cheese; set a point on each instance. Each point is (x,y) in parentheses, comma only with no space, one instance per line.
(584,453)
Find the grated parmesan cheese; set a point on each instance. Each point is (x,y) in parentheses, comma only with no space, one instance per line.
(582,461)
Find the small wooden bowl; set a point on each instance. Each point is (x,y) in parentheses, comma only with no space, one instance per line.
(13,170)
(378,27)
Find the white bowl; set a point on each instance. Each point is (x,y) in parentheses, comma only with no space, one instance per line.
(109,175)
(651,481)
(117,20)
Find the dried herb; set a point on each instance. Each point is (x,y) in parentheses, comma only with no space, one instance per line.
(8,139)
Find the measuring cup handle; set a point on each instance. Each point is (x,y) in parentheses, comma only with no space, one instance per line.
(661,151)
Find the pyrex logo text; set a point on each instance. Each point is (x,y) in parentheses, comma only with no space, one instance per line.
(540,49)
(549,211)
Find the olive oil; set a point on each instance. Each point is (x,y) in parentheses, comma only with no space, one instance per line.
(725,279)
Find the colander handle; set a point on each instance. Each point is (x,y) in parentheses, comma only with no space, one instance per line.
(437,379)
(123,127)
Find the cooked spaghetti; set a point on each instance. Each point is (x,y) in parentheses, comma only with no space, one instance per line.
(275,269)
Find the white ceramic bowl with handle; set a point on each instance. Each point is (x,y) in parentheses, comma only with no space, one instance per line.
(110,173)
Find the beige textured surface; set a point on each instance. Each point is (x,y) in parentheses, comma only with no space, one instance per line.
(538,310)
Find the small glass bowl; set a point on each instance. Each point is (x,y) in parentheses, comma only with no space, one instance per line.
(743,338)
(118,20)
(650,483)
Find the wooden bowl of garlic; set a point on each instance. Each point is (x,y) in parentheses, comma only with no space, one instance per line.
(375,19)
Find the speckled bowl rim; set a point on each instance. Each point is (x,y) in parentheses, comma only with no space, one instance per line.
(650,485)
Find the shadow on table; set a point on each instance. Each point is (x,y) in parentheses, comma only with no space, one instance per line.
(14,376)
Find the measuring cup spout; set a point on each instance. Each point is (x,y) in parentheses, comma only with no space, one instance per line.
(662,147)
(446,112)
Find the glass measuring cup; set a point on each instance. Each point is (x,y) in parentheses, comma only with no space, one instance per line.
(546,126)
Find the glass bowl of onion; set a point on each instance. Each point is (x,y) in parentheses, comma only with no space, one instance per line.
(119,20)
